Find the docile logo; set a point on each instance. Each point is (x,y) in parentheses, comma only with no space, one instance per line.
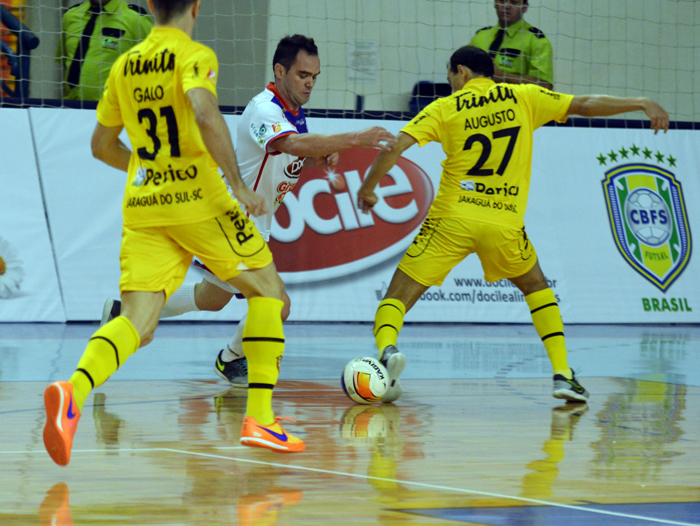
(320,234)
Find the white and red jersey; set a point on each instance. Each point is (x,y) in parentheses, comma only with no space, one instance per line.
(268,172)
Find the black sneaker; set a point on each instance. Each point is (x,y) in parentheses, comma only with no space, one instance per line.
(111,310)
(569,390)
(234,372)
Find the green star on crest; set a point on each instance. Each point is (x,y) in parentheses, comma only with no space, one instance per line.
(647,153)
(635,149)
(671,160)
(659,156)
(613,156)
(601,159)
(623,153)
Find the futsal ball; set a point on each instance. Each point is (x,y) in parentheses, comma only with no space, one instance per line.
(648,217)
(365,380)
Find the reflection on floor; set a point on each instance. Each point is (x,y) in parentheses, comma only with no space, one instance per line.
(476,438)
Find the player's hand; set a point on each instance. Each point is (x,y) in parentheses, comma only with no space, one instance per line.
(254,203)
(327,161)
(366,199)
(658,115)
(375,137)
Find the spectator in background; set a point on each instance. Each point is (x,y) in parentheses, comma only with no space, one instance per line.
(521,53)
(93,36)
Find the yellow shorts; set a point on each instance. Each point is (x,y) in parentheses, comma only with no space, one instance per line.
(444,242)
(157,258)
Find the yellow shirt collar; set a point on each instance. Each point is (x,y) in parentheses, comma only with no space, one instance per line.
(513,29)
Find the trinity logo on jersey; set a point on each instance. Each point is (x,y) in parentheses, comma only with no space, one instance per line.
(647,214)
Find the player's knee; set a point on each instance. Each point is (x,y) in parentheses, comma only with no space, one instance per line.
(273,288)
(213,303)
(286,308)
(146,340)
(211,297)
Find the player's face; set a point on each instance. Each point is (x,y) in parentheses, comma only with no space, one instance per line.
(300,79)
(510,11)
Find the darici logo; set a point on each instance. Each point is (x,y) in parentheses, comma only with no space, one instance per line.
(471,186)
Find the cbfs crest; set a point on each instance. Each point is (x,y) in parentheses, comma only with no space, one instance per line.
(648,218)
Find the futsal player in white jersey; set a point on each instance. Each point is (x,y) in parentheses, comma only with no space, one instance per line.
(272,147)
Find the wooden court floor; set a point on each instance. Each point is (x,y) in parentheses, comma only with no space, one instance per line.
(476,439)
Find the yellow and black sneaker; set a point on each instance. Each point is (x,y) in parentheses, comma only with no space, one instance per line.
(234,372)
(569,390)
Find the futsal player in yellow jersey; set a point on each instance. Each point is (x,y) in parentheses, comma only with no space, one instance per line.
(486,133)
(163,91)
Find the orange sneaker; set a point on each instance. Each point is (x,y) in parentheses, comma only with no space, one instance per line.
(271,437)
(62,415)
(259,510)
(55,508)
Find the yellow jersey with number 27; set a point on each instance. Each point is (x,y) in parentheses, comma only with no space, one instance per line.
(172,179)
(486,132)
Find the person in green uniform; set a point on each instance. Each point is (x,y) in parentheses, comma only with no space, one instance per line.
(521,53)
(93,36)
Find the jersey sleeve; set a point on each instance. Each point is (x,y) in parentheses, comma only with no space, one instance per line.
(108,112)
(267,124)
(425,127)
(548,105)
(200,70)
(541,64)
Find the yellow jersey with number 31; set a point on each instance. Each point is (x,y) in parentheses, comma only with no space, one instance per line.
(486,132)
(172,179)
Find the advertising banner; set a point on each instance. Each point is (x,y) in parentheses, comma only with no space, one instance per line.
(607,215)
(29,288)
(83,204)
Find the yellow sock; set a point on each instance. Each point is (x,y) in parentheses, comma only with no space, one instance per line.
(107,350)
(547,319)
(388,322)
(263,345)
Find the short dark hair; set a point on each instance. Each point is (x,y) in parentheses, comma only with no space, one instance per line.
(166,10)
(289,47)
(474,58)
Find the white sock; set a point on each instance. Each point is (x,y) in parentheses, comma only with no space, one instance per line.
(234,348)
(180,302)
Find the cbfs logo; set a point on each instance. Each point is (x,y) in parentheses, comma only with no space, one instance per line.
(319,234)
(648,217)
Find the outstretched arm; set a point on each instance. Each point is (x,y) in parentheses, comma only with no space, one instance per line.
(317,145)
(606,105)
(366,198)
(217,139)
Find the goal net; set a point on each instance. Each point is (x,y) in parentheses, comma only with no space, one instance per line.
(374,53)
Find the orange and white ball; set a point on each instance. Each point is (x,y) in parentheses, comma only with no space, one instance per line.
(365,380)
